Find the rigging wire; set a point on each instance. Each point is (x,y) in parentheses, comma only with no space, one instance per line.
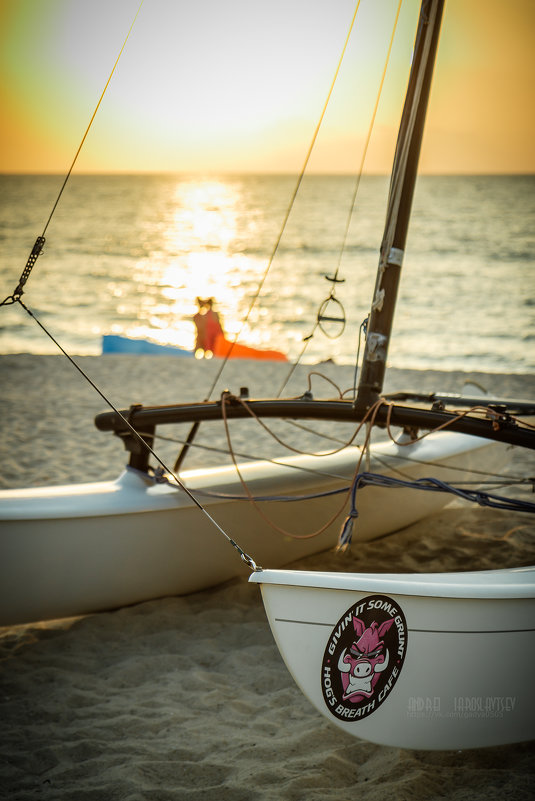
(290,205)
(367,143)
(351,212)
(75,159)
(40,241)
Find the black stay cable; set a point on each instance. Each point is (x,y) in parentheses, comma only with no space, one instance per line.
(40,241)
(244,556)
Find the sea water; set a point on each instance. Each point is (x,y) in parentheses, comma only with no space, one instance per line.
(129,254)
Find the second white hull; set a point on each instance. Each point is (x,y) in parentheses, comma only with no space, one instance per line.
(83,548)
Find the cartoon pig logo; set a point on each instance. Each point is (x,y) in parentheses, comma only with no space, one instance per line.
(367,657)
(363,657)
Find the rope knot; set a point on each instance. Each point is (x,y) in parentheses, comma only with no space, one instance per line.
(346,532)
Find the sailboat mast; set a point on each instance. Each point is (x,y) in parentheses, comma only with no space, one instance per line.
(403,180)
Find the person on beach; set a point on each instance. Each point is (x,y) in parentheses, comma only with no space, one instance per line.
(208,328)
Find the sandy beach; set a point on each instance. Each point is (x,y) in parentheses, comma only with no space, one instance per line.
(188,698)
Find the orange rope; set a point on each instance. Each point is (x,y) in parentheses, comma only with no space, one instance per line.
(371,413)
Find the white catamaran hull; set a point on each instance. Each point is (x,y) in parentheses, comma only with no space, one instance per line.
(84,548)
(438,661)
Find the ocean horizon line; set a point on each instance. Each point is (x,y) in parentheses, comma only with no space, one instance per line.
(256,173)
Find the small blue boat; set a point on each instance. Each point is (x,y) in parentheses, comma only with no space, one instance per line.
(111,343)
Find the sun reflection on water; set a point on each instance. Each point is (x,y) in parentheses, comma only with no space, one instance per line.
(197,255)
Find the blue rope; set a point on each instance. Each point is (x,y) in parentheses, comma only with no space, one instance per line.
(378,480)
(279,498)
(159,477)
(429,485)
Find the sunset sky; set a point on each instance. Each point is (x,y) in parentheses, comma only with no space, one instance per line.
(239,85)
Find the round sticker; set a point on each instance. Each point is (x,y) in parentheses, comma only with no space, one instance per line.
(363,657)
